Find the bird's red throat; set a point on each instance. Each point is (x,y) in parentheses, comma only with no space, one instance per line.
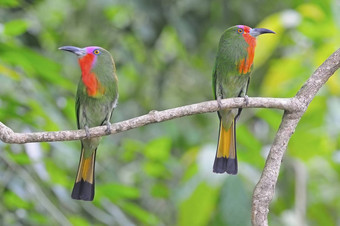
(245,64)
(89,78)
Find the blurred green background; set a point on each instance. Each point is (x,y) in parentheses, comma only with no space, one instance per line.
(164,51)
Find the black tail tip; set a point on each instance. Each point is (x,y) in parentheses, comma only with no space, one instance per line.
(225,165)
(83,190)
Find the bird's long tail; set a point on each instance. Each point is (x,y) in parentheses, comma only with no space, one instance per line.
(83,188)
(226,158)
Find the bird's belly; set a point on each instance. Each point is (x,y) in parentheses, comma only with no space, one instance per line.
(233,85)
(96,115)
(93,114)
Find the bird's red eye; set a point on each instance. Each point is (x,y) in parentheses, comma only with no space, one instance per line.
(240,30)
(96,51)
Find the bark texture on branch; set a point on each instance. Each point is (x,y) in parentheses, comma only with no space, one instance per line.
(8,136)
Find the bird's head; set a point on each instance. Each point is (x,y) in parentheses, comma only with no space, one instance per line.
(253,32)
(243,32)
(237,45)
(97,68)
(90,57)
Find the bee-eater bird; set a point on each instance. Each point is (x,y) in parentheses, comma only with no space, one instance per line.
(96,99)
(231,75)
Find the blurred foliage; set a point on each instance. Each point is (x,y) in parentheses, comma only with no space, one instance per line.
(161,174)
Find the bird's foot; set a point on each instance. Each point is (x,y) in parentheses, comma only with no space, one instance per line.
(87,131)
(219,102)
(108,127)
(246,99)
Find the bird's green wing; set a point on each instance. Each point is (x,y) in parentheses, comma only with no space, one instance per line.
(214,81)
(77,105)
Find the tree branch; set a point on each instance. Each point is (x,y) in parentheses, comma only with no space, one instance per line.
(265,188)
(8,136)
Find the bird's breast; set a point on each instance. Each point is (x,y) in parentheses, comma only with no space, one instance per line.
(244,66)
(93,87)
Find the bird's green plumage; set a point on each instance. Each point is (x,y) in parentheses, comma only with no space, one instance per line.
(231,75)
(96,110)
(227,80)
(96,99)
(230,79)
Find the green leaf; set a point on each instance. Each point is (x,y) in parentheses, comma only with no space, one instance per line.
(271,116)
(313,11)
(9,3)
(311,138)
(285,77)
(39,219)
(190,172)
(130,149)
(116,192)
(35,65)
(7,71)
(78,220)
(19,158)
(319,214)
(15,27)
(158,149)
(14,202)
(249,147)
(140,214)
(155,169)
(120,16)
(160,191)
(199,207)
(189,161)
(56,173)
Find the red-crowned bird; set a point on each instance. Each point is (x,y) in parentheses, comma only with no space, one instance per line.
(231,75)
(96,99)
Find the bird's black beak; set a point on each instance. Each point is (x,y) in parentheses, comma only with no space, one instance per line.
(259,31)
(78,51)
